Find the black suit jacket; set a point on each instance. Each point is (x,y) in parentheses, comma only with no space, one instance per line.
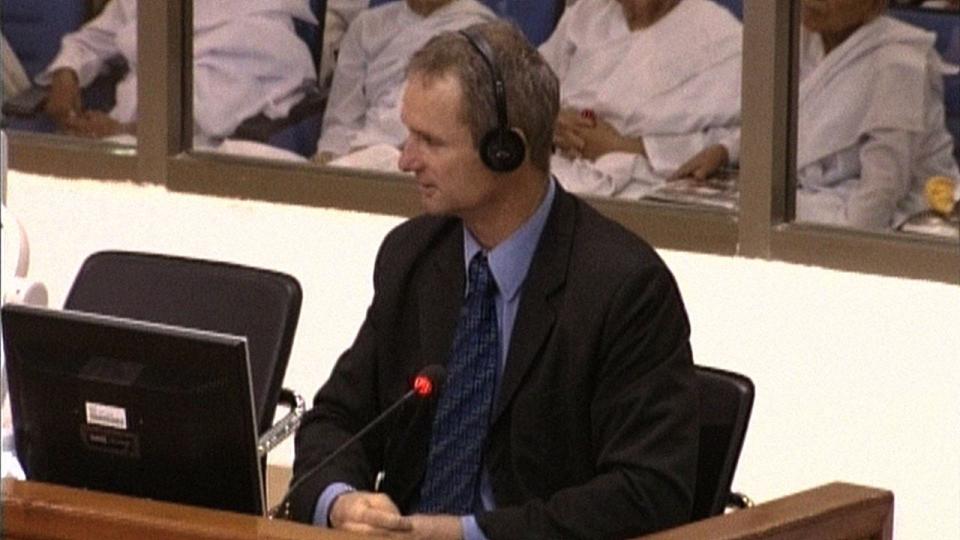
(594,432)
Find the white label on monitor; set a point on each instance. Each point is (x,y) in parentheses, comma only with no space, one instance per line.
(106,415)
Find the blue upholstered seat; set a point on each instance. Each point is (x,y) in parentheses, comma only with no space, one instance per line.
(536,18)
(34,29)
(735,7)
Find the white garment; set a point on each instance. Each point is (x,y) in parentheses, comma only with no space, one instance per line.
(676,84)
(247,59)
(364,105)
(870,128)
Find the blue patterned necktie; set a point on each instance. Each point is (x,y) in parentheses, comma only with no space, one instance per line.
(452,483)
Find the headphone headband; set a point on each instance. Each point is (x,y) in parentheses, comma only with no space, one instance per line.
(489,58)
(502,149)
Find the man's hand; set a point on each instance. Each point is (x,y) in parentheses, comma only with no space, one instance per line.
(436,527)
(704,164)
(63,101)
(368,513)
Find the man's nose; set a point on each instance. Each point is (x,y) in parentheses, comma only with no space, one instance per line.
(408,161)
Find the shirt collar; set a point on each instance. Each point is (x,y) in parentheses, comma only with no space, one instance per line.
(510,260)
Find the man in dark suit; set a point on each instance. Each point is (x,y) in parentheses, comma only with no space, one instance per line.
(591,430)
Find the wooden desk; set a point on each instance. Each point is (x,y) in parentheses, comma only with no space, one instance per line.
(831,511)
(36,511)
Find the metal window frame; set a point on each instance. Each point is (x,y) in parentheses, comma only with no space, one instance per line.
(762,228)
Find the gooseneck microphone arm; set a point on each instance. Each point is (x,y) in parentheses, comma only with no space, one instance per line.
(425,385)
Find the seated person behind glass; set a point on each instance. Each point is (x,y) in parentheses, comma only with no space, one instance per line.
(363,109)
(645,85)
(234,77)
(871,128)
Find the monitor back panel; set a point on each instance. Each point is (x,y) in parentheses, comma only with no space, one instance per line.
(134,408)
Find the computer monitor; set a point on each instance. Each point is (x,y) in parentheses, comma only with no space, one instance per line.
(131,407)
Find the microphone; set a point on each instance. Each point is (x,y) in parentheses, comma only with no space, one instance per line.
(424,385)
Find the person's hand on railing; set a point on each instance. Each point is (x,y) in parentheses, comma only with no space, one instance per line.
(63,101)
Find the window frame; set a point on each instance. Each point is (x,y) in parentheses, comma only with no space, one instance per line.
(761,228)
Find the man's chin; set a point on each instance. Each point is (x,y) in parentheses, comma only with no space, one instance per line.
(434,210)
(431,202)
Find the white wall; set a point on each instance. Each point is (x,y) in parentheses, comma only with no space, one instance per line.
(857,376)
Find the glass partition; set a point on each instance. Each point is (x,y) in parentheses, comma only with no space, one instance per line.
(650,101)
(762,225)
(67,70)
(651,129)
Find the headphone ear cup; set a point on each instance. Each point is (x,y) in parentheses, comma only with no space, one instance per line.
(502,150)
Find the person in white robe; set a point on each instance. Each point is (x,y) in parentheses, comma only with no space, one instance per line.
(247,60)
(870,128)
(644,85)
(363,111)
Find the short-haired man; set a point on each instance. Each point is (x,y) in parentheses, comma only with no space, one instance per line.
(583,422)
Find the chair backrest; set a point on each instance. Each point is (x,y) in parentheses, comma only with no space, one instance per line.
(262,305)
(312,34)
(735,7)
(726,400)
(536,18)
(34,28)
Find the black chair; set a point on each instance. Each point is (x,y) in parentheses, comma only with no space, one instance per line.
(262,305)
(726,400)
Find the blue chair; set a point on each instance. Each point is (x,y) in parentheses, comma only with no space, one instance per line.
(536,18)
(947,27)
(34,29)
(735,7)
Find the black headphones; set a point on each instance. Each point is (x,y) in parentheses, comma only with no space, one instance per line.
(502,149)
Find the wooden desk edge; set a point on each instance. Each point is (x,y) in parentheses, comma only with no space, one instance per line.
(36,510)
(835,510)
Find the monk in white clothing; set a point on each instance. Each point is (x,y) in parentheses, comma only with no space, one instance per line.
(870,128)
(644,85)
(364,106)
(234,76)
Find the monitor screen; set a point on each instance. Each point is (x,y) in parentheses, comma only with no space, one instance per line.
(131,407)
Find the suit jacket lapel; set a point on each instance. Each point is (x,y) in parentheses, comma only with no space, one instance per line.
(440,285)
(537,314)
(440,299)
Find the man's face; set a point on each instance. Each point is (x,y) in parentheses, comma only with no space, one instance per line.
(831,16)
(440,152)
